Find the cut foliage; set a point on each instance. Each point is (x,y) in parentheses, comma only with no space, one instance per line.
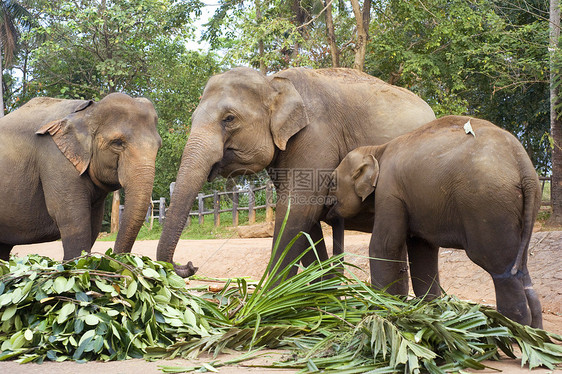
(116,306)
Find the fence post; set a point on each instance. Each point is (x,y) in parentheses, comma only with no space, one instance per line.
(216,206)
(115,212)
(161,210)
(201,208)
(148,213)
(251,204)
(268,201)
(120,215)
(235,206)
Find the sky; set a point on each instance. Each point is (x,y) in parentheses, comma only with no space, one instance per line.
(206,13)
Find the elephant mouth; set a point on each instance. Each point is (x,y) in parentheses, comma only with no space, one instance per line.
(215,171)
(332,211)
(218,167)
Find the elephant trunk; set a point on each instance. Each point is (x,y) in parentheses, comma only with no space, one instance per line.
(201,153)
(137,184)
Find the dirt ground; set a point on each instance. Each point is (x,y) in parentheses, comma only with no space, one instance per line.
(222,258)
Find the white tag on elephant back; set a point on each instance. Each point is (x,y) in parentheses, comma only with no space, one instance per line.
(468,129)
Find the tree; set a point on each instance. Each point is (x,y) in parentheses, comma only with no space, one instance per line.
(555,121)
(362,19)
(267,35)
(93,48)
(482,58)
(331,35)
(178,77)
(12,16)
(281,34)
(96,47)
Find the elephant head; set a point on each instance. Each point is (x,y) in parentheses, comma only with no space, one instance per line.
(353,181)
(114,143)
(241,122)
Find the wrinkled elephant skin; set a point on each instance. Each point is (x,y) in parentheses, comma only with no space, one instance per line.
(445,186)
(60,158)
(298,123)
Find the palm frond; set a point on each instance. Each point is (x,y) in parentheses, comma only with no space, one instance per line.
(336,324)
(331,322)
(12,16)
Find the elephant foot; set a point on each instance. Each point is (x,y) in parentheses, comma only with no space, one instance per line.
(511,298)
(533,301)
(185,271)
(535,306)
(5,251)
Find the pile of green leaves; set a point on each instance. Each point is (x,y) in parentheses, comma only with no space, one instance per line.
(96,307)
(341,325)
(109,307)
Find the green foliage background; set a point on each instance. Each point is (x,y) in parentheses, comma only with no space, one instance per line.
(486,58)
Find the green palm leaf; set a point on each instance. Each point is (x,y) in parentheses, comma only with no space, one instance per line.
(330,321)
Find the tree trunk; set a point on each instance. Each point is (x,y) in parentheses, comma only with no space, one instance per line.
(263,67)
(555,122)
(115,212)
(1,86)
(24,82)
(362,20)
(334,50)
(302,16)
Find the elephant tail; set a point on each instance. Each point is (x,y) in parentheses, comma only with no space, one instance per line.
(531,205)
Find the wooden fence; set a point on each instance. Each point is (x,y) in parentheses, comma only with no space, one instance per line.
(543,181)
(158,207)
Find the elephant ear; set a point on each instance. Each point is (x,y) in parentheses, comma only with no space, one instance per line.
(288,114)
(365,176)
(72,136)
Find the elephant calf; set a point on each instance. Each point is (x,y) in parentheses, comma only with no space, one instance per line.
(60,158)
(457,182)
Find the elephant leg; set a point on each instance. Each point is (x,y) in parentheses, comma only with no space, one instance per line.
(71,210)
(338,229)
(515,297)
(387,249)
(97,219)
(423,259)
(301,218)
(511,297)
(75,230)
(321,253)
(532,300)
(75,241)
(5,250)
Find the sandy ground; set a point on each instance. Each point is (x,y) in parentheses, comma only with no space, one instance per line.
(224,258)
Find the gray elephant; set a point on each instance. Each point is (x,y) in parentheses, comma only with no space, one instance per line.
(298,124)
(60,158)
(457,182)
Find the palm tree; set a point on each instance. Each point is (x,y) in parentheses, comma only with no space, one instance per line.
(12,16)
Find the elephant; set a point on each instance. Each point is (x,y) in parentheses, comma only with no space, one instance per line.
(60,158)
(297,124)
(457,182)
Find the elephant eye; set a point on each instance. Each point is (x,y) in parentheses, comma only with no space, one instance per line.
(229,118)
(117,143)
